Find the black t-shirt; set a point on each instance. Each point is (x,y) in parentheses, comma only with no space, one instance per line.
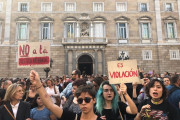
(68,115)
(112,115)
(163,111)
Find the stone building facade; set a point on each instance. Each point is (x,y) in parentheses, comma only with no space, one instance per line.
(86,34)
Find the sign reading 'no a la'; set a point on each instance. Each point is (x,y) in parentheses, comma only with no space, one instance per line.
(33,54)
(123,71)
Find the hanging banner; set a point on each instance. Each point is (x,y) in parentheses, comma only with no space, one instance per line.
(33,54)
(123,72)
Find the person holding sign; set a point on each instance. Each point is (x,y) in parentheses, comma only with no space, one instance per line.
(108,105)
(85,98)
(156,107)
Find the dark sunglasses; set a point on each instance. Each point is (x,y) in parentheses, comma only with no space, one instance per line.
(86,99)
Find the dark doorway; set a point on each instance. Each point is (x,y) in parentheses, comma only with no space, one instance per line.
(85,65)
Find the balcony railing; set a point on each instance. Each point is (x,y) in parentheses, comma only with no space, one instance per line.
(85,40)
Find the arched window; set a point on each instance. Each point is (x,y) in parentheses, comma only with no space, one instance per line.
(46,28)
(22,28)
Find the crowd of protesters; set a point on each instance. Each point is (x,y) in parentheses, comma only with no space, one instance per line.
(86,97)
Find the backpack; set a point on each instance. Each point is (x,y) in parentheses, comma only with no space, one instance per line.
(174,88)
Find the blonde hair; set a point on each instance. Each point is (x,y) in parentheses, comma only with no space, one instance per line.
(10,92)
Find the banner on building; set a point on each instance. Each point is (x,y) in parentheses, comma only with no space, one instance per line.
(33,54)
(123,72)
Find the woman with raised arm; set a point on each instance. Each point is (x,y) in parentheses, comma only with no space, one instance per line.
(85,98)
(156,107)
(108,105)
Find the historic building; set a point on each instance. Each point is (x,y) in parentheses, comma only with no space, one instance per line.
(86,34)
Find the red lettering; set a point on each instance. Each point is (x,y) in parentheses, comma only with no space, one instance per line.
(24,52)
(34,61)
(111,75)
(40,49)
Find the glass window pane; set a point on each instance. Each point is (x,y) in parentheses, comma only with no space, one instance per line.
(23,7)
(70,30)
(23,31)
(145,30)
(171,33)
(143,7)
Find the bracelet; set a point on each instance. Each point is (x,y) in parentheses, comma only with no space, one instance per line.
(39,86)
(125,93)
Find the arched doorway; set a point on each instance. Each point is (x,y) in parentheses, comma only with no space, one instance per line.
(85,65)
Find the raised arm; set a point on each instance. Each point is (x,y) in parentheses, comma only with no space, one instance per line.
(35,80)
(131,109)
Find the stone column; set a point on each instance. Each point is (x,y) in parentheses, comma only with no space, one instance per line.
(78,32)
(66,62)
(158,20)
(7,22)
(96,63)
(91,28)
(73,60)
(178,2)
(103,62)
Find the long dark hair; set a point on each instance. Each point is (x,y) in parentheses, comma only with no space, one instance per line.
(34,103)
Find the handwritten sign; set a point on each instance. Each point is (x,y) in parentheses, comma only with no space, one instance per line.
(33,54)
(123,71)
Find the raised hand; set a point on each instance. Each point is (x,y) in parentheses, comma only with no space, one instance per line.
(123,88)
(34,78)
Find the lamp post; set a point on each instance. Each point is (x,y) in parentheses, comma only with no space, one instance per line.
(47,69)
(122,57)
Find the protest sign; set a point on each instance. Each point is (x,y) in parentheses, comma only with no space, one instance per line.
(33,54)
(123,71)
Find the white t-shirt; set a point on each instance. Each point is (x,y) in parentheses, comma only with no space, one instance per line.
(50,91)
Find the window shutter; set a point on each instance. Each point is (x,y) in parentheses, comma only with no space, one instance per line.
(147,6)
(165,7)
(17,30)
(142,29)
(139,6)
(172,5)
(127,30)
(27,27)
(166,30)
(19,6)
(150,32)
(175,30)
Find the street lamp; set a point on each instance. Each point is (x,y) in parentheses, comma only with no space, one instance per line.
(122,57)
(47,69)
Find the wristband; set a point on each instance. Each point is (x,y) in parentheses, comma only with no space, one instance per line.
(39,86)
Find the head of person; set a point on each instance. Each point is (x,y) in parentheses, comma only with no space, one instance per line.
(56,81)
(86,98)
(107,92)
(76,74)
(76,84)
(175,80)
(37,101)
(97,82)
(32,87)
(155,89)
(166,81)
(14,92)
(7,83)
(146,81)
(49,82)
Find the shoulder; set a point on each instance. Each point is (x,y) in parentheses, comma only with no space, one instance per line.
(33,110)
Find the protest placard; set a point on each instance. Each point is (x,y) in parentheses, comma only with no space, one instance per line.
(123,72)
(33,54)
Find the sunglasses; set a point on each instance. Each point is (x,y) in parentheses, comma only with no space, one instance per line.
(86,99)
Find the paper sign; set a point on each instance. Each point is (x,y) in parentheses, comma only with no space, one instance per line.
(123,71)
(33,54)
